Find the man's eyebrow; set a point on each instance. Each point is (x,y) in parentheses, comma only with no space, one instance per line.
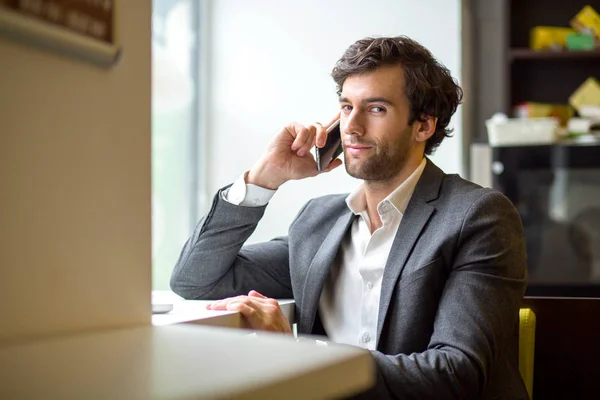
(369,100)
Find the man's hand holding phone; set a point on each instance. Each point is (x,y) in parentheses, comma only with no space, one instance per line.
(288,155)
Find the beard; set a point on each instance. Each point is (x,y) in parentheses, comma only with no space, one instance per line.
(385,164)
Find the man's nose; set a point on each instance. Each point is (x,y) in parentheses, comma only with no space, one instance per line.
(353,124)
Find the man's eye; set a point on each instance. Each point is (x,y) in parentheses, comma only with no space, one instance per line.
(346,107)
(377,109)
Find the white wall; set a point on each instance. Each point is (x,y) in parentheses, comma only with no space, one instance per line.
(270,63)
(75,186)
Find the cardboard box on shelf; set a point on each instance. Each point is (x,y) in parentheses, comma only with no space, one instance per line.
(580,42)
(588,94)
(504,131)
(587,21)
(538,110)
(549,37)
(581,126)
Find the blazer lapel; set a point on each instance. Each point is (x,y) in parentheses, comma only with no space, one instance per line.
(318,270)
(415,217)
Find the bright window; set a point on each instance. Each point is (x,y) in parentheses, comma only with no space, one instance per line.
(175,172)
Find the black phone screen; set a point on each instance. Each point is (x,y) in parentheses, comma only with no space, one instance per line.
(332,148)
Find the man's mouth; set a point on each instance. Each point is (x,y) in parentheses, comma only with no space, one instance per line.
(357,148)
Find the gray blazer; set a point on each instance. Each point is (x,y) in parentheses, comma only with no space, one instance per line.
(451,290)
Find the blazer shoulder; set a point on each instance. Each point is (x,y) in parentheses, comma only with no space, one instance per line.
(321,209)
(457,190)
(332,204)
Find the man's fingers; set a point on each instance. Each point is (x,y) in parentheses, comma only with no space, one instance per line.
(217,305)
(334,164)
(294,129)
(263,300)
(321,137)
(303,139)
(309,142)
(304,151)
(222,304)
(253,296)
(250,313)
(306,137)
(259,312)
(248,310)
(337,116)
(254,293)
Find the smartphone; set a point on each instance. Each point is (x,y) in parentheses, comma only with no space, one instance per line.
(332,149)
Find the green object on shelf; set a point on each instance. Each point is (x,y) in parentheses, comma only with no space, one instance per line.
(578,41)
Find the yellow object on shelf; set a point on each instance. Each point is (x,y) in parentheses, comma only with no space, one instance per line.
(588,94)
(563,112)
(549,37)
(587,21)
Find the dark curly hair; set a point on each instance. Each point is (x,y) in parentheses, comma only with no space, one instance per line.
(429,87)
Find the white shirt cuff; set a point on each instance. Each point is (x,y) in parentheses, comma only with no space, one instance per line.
(247,194)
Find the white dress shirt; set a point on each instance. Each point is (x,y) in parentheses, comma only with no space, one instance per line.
(349,304)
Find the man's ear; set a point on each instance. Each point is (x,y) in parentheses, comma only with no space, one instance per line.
(424,128)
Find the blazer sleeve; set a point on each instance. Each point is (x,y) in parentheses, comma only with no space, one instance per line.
(477,313)
(215,264)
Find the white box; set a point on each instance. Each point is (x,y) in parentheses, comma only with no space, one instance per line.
(504,131)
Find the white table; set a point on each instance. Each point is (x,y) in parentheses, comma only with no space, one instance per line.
(194,311)
(181,361)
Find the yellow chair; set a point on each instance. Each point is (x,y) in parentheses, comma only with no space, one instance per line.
(527,347)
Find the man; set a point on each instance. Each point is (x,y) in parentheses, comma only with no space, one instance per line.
(424,269)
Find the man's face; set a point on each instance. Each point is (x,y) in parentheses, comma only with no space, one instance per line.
(374,123)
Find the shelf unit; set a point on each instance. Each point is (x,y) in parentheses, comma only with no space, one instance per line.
(506,72)
(501,71)
(523,53)
(544,76)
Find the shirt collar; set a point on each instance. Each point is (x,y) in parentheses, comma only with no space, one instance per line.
(399,198)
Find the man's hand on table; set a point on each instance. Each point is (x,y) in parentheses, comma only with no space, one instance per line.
(260,312)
